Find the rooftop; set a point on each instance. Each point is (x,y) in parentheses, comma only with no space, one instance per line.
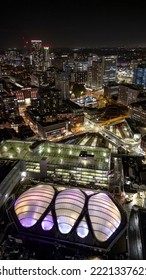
(50,123)
(56,153)
(132,86)
(72,105)
(5,167)
(139,104)
(81,217)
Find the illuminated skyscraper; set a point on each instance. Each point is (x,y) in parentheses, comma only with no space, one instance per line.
(140,75)
(109,68)
(97,79)
(46,58)
(37,54)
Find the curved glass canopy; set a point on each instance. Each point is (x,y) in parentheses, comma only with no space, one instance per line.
(30,205)
(104,217)
(68,206)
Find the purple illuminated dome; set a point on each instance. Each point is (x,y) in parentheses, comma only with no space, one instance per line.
(47,223)
(82,229)
(69,212)
(104,215)
(68,205)
(30,206)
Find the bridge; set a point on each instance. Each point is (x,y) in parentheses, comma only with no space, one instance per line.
(114,120)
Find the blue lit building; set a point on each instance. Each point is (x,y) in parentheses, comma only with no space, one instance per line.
(140,75)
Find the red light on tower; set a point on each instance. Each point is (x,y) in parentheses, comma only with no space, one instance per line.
(25,43)
(46,47)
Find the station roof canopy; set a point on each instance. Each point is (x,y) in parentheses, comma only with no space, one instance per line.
(70,215)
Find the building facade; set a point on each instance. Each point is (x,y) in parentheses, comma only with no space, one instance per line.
(109,66)
(97,76)
(140,75)
(128,94)
(64,162)
(37,54)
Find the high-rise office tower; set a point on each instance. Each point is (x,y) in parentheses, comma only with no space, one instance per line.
(62,83)
(37,54)
(46,58)
(97,79)
(89,77)
(140,75)
(109,65)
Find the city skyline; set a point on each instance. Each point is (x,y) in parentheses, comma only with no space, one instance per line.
(73,133)
(74,24)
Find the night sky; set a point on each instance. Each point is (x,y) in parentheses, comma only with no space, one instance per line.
(67,23)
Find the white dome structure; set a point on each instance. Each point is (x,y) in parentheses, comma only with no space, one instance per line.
(93,219)
(68,206)
(30,206)
(104,214)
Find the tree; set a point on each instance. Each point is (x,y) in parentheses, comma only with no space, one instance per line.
(78,90)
